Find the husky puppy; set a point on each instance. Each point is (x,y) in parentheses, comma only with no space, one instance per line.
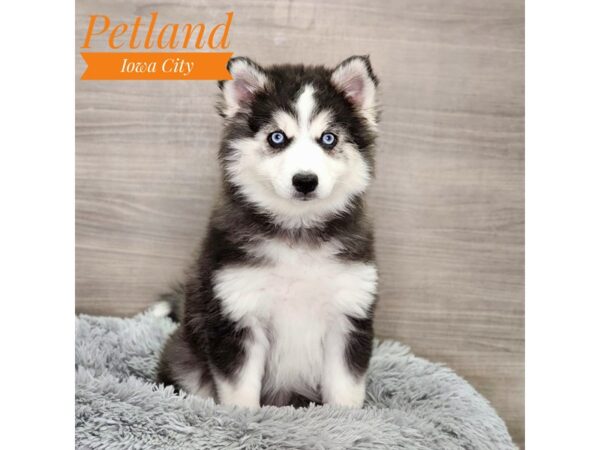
(279,306)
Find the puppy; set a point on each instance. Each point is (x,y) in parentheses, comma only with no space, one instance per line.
(279,306)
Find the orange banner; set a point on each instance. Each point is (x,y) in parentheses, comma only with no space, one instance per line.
(156,66)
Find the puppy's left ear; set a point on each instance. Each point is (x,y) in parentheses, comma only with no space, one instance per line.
(354,77)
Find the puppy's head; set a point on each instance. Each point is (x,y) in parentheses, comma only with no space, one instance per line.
(298,140)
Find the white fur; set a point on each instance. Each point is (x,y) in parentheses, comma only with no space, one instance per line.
(299,298)
(160,309)
(266,177)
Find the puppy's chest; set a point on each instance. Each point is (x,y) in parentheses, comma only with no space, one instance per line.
(296,283)
(296,299)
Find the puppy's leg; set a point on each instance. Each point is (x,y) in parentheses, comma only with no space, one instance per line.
(183,368)
(347,354)
(242,386)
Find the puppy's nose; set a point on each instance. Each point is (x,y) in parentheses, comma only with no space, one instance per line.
(305,182)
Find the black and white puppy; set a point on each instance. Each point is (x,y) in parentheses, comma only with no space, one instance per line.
(279,307)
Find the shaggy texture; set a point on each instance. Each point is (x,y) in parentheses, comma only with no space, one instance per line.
(411,403)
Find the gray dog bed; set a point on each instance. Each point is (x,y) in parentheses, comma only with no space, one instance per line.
(411,403)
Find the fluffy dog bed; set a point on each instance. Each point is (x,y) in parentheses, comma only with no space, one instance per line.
(411,403)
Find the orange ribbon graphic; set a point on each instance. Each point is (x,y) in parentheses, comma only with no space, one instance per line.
(156,66)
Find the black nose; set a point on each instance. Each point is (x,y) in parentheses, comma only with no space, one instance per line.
(305,182)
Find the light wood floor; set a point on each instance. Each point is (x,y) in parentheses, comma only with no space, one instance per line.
(448,200)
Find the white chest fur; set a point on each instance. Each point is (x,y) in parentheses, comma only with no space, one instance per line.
(295,300)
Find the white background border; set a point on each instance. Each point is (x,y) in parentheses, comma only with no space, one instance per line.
(563,225)
(37,238)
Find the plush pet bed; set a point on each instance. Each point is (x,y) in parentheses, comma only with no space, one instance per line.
(411,403)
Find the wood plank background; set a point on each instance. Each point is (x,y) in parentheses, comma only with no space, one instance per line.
(448,200)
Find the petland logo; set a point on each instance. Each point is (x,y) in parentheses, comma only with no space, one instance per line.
(171,62)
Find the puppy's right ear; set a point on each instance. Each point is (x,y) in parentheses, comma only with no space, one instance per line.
(248,79)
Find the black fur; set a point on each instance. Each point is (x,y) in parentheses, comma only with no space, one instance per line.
(207,339)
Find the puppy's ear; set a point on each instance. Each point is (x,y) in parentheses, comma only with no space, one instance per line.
(354,77)
(248,79)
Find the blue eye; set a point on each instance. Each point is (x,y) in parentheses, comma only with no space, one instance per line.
(277,139)
(328,140)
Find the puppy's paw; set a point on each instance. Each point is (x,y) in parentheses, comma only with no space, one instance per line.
(350,396)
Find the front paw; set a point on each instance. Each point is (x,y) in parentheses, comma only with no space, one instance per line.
(243,403)
(243,399)
(349,396)
(247,396)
